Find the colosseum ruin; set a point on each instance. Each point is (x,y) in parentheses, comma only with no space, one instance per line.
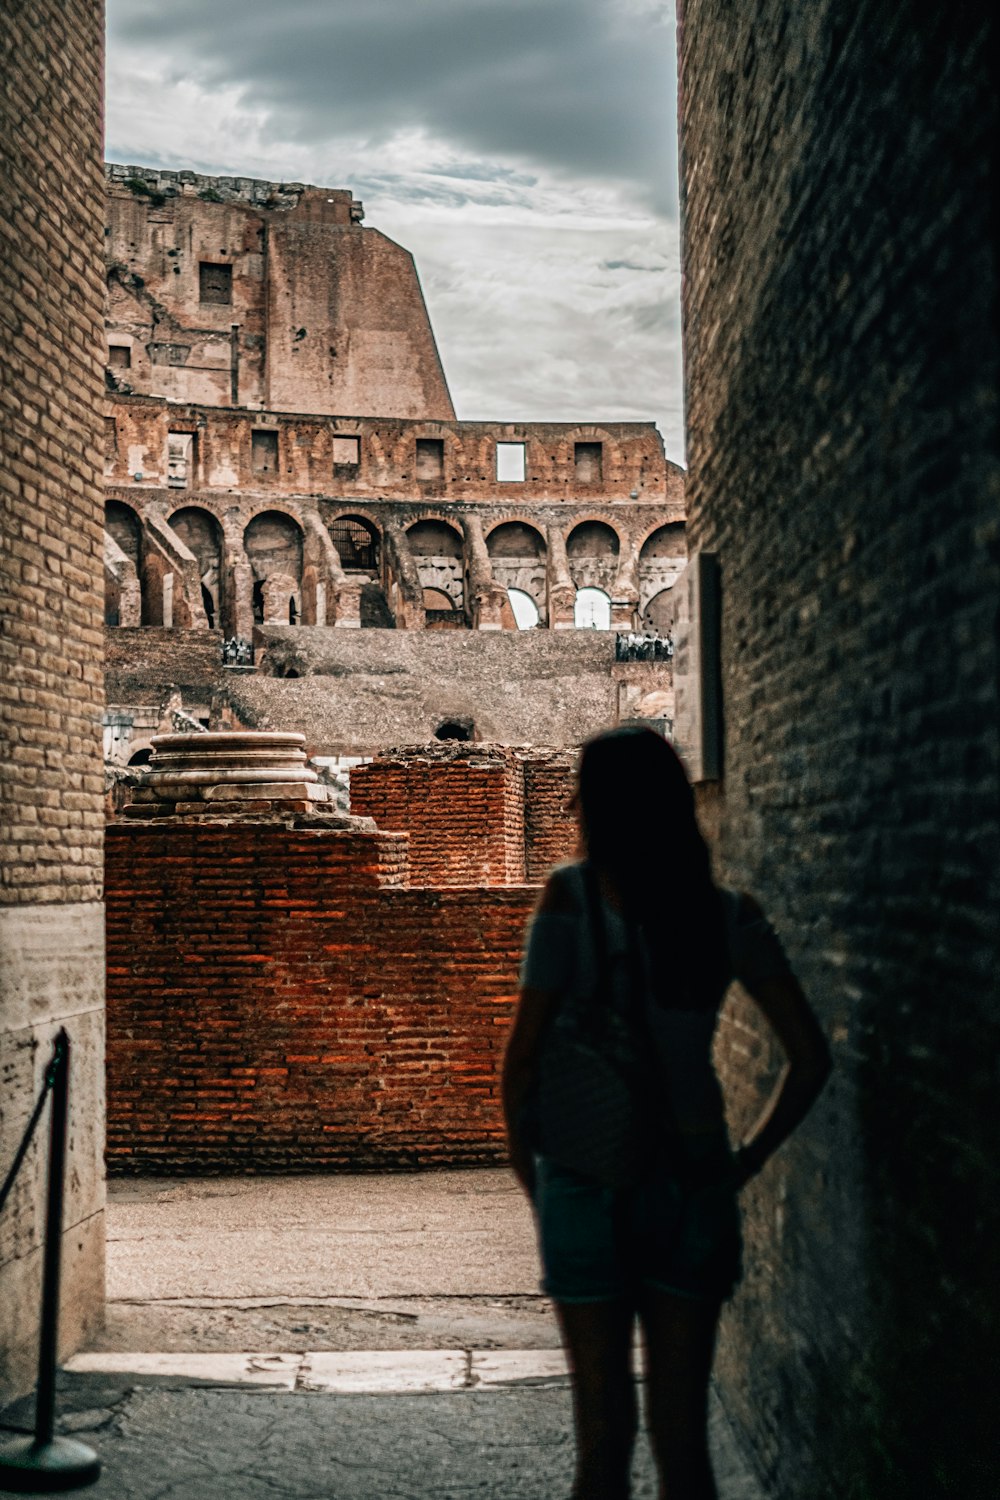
(301,535)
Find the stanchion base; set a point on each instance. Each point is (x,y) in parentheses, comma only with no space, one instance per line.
(28,1467)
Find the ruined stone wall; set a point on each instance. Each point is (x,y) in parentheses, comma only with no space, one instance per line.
(841,350)
(387,540)
(233,292)
(51,785)
(386,464)
(278,999)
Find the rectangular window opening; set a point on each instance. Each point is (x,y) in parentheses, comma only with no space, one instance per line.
(264,452)
(430,458)
(346,452)
(510,463)
(180,459)
(215,283)
(119,356)
(588,463)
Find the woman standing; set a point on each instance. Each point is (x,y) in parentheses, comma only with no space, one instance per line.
(637,937)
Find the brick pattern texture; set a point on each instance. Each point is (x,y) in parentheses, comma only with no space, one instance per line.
(477,815)
(837,165)
(279,999)
(465,817)
(550,829)
(51,371)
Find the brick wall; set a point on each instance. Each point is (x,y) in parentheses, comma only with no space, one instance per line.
(550,829)
(279,999)
(462,806)
(476,814)
(51,606)
(840,319)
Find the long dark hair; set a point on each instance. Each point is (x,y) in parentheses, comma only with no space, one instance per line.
(639,827)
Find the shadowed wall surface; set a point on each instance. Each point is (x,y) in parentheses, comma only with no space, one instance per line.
(840,316)
(51,536)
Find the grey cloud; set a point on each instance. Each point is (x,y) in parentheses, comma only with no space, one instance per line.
(581,86)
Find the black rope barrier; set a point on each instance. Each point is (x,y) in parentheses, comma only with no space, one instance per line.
(44,1463)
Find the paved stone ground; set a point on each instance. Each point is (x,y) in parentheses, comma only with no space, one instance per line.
(164,1440)
(398,1347)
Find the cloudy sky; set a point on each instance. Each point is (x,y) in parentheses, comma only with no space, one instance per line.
(524,150)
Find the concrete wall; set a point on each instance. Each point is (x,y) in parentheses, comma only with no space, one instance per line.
(51,815)
(841,349)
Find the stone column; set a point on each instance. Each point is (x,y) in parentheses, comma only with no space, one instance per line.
(486,597)
(560,588)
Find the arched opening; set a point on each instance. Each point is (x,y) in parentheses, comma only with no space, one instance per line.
(123,565)
(439,611)
(455,729)
(357,543)
(524,612)
(141,757)
(658,616)
(438,549)
(517,557)
(273,545)
(662,559)
(201,533)
(592,553)
(293,617)
(592,610)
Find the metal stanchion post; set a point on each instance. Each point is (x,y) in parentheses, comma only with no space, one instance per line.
(46,1464)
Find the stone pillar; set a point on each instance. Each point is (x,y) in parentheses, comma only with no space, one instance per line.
(625,597)
(485,597)
(560,588)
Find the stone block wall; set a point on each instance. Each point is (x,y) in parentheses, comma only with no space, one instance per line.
(279,999)
(841,349)
(51,564)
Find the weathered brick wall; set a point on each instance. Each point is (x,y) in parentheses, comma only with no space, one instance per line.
(277,998)
(633,461)
(462,806)
(840,316)
(550,827)
(51,550)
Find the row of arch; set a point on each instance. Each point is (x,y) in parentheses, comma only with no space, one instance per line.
(273,544)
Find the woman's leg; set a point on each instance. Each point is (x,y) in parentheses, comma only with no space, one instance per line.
(680,1343)
(598,1339)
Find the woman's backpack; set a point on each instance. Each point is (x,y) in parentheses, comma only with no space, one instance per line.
(598,1105)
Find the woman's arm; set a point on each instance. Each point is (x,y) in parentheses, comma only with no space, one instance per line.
(533,1010)
(806,1070)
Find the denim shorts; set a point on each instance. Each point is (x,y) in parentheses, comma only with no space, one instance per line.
(602,1244)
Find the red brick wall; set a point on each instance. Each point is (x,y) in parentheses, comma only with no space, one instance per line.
(550,829)
(277,998)
(465,816)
